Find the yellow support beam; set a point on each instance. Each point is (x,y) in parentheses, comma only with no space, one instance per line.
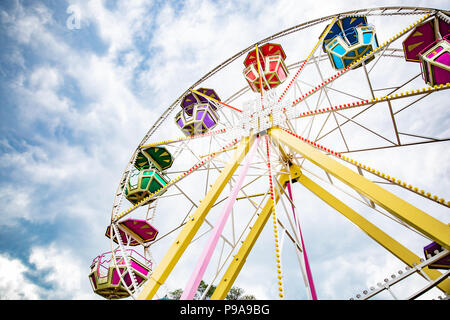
(414,217)
(259,72)
(238,262)
(187,233)
(390,244)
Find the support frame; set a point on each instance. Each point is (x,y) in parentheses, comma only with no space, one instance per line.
(189,230)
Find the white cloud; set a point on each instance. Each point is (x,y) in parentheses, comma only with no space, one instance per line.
(54,273)
(111,122)
(16,202)
(115,115)
(120,27)
(63,270)
(13,281)
(26,26)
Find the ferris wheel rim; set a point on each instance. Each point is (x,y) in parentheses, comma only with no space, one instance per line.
(170,109)
(166,113)
(271,37)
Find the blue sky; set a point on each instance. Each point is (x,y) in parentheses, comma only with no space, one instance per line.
(76,102)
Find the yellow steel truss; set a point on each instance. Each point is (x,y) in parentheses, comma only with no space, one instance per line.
(189,230)
(390,244)
(237,263)
(414,217)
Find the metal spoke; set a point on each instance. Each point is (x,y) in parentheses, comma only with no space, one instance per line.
(292,153)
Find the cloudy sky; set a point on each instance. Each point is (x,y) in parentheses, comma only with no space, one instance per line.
(76,98)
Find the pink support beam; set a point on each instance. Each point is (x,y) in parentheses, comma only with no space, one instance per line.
(305,256)
(203,261)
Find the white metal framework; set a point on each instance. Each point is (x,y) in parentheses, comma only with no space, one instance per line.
(380,114)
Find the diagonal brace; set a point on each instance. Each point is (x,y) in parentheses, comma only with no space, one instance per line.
(414,217)
(390,244)
(238,262)
(189,230)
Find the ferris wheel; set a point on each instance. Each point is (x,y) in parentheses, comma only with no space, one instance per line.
(323,108)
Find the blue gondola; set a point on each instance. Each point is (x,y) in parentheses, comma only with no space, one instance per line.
(348,39)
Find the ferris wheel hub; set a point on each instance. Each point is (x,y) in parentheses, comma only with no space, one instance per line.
(260,114)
